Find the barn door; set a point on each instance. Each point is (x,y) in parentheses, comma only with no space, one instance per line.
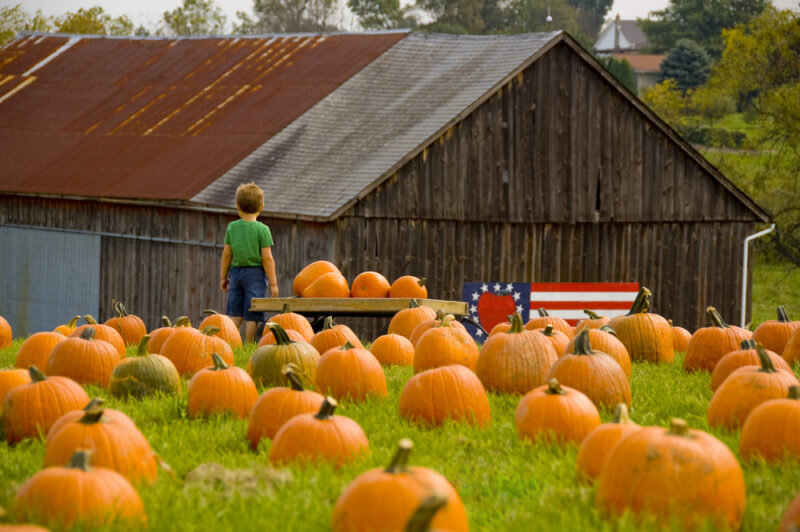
(47,277)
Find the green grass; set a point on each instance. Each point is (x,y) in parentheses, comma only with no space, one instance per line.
(506,484)
(774,283)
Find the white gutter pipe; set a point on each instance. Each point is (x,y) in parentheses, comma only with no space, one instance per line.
(744,267)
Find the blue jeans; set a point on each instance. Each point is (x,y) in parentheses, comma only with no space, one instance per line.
(245,283)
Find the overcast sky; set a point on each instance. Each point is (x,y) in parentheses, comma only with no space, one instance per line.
(149,12)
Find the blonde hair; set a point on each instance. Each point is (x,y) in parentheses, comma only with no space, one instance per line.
(249,198)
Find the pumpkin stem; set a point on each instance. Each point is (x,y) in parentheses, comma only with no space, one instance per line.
(281,338)
(554,388)
(400,458)
(678,427)
(748,344)
(209,312)
(766,361)
(516,323)
(542,312)
(621,415)
(290,372)
(716,318)
(165,322)
(141,351)
(447,320)
(119,308)
(439,315)
(94,402)
(94,413)
(88,333)
(414,303)
(219,364)
(347,345)
(36,374)
(90,319)
(210,330)
(328,323)
(81,459)
(582,345)
(794,392)
(609,330)
(422,281)
(782,316)
(183,321)
(328,407)
(286,309)
(548,330)
(642,302)
(420,520)
(73,321)
(592,314)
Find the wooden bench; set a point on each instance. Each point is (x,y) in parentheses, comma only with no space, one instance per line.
(356,306)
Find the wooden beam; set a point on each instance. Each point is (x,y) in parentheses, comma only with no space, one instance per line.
(358,306)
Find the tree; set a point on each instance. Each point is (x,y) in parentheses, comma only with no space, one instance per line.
(620,69)
(93,21)
(590,14)
(379,14)
(196,17)
(13,19)
(687,63)
(699,20)
(288,16)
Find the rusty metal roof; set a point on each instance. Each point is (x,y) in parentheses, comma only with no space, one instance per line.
(348,141)
(157,118)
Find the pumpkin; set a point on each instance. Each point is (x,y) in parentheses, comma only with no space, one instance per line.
(267,362)
(6,335)
(93,496)
(321,436)
(409,286)
(675,473)
(557,339)
(594,321)
(35,350)
(114,440)
(10,379)
(31,409)
(594,450)
(772,430)
(445,345)
(278,405)
(228,330)
(406,320)
(791,353)
(775,334)
(393,349)
(646,336)
(556,413)
(310,273)
(592,372)
(190,350)
(350,372)
(436,321)
(680,338)
(130,327)
(333,335)
(503,326)
(448,392)
(605,339)
(221,389)
(84,359)
(370,284)
(545,319)
(102,332)
(160,335)
(516,361)
(746,356)
(331,284)
(362,505)
(791,518)
(144,374)
(67,328)
(268,338)
(709,344)
(746,388)
(422,518)
(293,321)
(75,415)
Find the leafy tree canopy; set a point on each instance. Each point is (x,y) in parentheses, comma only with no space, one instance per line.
(94,21)
(687,63)
(13,19)
(288,16)
(620,69)
(195,17)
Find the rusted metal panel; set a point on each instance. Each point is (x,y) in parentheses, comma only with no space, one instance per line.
(157,118)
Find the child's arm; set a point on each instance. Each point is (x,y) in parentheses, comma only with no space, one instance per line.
(227,257)
(269,267)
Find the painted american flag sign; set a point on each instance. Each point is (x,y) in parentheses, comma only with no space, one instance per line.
(490,302)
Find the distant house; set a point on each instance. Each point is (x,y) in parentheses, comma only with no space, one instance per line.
(646,68)
(621,36)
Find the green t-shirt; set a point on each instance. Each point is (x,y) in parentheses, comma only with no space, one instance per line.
(247,239)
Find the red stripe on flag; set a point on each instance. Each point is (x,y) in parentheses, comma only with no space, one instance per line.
(584,287)
(580,305)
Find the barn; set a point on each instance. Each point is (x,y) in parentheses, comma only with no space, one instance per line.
(457,158)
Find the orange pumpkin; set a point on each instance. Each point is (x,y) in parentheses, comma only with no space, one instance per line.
(605,339)
(6,336)
(745,389)
(370,284)
(645,335)
(75,415)
(31,409)
(67,328)
(130,327)
(409,286)
(516,361)
(94,496)
(393,349)
(775,334)
(333,335)
(772,430)
(680,338)
(791,353)
(362,505)
(445,345)
(267,362)
(160,335)
(35,350)
(709,344)
(221,389)
(545,319)
(594,321)
(268,338)
(448,392)
(114,440)
(144,374)
(228,330)
(350,372)
(321,436)
(293,321)
(10,379)
(84,359)
(791,518)
(331,284)
(436,321)
(406,320)
(190,350)
(556,413)
(503,326)
(278,405)
(102,332)
(557,339)
(746,356)
(597,446)
(310,273)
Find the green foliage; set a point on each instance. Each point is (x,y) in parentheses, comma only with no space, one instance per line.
(667,102)
(93,21)
(195,17)
(379,14)
(620,69)
(699,20)
(288,16)
(590,15)
(687,63)
(13,19)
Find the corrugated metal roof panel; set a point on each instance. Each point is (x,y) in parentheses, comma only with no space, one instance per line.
(157,118)
(338,148)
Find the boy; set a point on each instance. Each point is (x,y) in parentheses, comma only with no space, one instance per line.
(248,249)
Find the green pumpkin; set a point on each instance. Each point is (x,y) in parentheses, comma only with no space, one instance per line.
(144,374)
(267,362)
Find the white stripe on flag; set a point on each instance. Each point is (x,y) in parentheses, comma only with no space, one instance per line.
(583,296)
(577,314)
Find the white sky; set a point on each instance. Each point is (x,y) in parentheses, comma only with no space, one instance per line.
(149,12)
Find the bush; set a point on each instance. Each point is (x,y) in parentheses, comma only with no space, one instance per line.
(713,136)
